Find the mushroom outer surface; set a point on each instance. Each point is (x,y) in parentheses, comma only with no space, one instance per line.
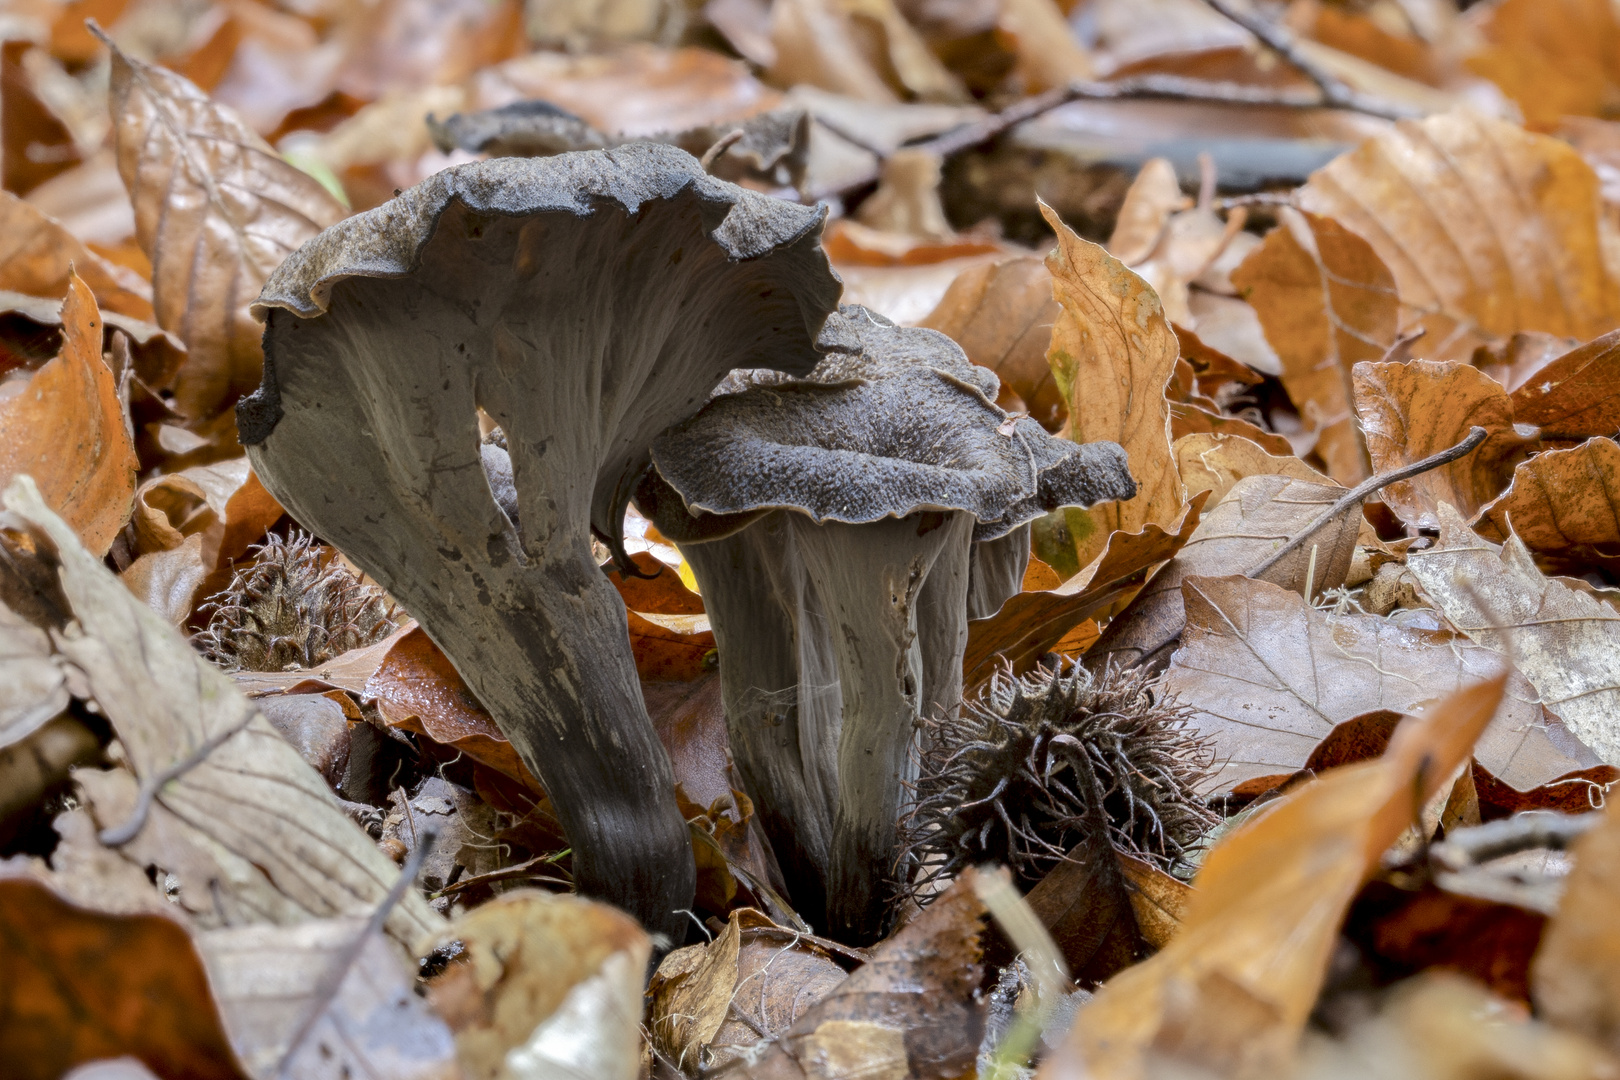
(585,302)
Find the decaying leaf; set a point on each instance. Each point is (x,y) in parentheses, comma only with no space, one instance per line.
(1419,195)
(77,985)
(65,425)
(1556,58)
(1153,197)
(251,831)
(908,1012)
(1575,977)
(1413,409)
(1575,396)
(216,209)
(1256,518)
(1567,643)
(1113,353)
(1232,990)
(551,987)
(1214,462)
(1561,499)
(1269,679)
(1327,302)
(37,255)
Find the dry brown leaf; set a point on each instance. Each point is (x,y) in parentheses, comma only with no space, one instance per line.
(1514,361)
(1158,900)
(1567,643)
(1326,301)
(1113,353)
(862,48)
(37,255)
(910,1011)
(1556,58)
(65,425)
(1047,53)
(1001,313)
(1087,906)
(1150,201)
(35,144)
(1257,517)
(1269,680)
(1032,624)
(1575,396)
(1575,977)
(269,981)
(36,686)
(754,979)
(1412,410)
(216,210)
(551,986)
(1213,462)
(251,831)
(168,581)
(1187,419)
(77,985)
(1561,499)
(1232,990)
(1419,195)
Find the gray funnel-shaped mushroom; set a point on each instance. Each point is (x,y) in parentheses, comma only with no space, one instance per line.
(833,516)
(586,302)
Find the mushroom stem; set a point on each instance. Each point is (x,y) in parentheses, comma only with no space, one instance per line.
(997,572)
(870,578)
(779,684)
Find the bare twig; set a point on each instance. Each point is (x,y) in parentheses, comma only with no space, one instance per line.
(724,143)
(1336,93)
(1400,343)
(1521,832)
(1360,492)
(332,979)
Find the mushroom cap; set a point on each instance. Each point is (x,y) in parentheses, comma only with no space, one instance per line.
(893,421)
(480,245)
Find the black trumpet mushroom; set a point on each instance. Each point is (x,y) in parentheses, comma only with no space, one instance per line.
(584,303)
(831,523)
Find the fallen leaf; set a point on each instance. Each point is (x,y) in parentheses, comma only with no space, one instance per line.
(1575,977)
(1269,680)
(1575,396)
(1412,410)
(1213,462)
(1032,624)
(77,985)
(1327,302)
(755,979)
(1555,59)
(216,209)
(1576,792)
(863,48)
(1153,197)
(910,1011)
(1567,643)
(1232,990)
(38,255)
(65,425)
(1514,361)
(551,986)
(1001,313)
(1085,903)
(36,685)
(665,655)
(169,581)
(1560,499)
(1188,420)
(1046,52)
(249,829)
(1418,195)
(1158,900)
(35,144)
(269,982)
(1256,518)
(659,591)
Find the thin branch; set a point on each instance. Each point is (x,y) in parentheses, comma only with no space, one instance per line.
(119,835)
(1521,832)
(331,981)
(1336,93)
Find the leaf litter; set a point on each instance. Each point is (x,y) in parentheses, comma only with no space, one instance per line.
(1357,350)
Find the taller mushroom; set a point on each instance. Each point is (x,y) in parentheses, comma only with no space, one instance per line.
(585,303)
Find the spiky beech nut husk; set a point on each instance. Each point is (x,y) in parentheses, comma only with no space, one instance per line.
(1013,777)
(295,605)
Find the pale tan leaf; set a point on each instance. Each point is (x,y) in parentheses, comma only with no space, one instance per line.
(1412,410)
(1214,462)
(1113,353)
(1561,499)
(1269,678)
(1567,643)
(64,425)
(216,210)
(36,688)
(37,254)
(1575,976)
(1256,518)
(269,980)
(1231,992)
(1152,198)
(1046,51)
(1556,58)
(1326,302)
(1488,229)
(252,832)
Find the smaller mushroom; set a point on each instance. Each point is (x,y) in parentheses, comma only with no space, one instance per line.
(851,498)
